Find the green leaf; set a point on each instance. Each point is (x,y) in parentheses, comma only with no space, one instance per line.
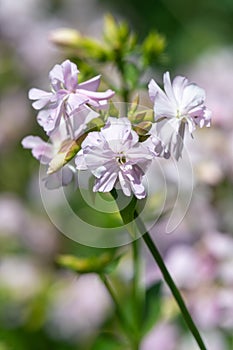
(67,151)
(104,263)
(83,46)
(142,128)
(110,342)
(133,106)
(132,74)
(152,47)
(113,111)
(118,37)
(152,309)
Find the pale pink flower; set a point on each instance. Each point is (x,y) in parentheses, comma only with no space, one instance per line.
(67,96)
(178,107)
(46,151)
(115,156)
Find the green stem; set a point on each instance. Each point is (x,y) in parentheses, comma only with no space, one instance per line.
(123,321)
(128,214)
(124,86)
(137,291)
(167,277)
(136,283)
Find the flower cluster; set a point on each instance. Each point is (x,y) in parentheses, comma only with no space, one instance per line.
(114,151)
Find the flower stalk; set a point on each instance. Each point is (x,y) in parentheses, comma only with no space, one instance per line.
(170,282)
(161,265)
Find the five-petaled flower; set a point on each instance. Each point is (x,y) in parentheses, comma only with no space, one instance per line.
(67,96)
(181,104)
(115,157)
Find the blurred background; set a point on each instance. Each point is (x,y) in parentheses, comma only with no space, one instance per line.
(42,306)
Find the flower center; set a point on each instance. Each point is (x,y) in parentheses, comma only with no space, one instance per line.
(181,116)
(121,159)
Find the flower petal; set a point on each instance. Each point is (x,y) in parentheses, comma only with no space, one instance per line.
(80,161)
(91,84)
(41,150)
(70,74)
(36,94)
(193,96)
(106,182)
(63,177)
(96,96)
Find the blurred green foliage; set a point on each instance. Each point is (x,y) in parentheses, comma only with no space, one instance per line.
(190,26)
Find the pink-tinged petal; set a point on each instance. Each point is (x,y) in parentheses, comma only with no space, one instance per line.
(91,84)
(59,135)
(63,177)
(41,103)
(193,96)
(106,182)
(125,185)
(169,90)
(207,116)
(81,117)
(154,90)
(138,190)
(103,104)
(179,83)
(94,158)
(74,102)
(67,175)
(163,110)
(56,76)
(191,125)
(70,73)
(163,107)
(139,151)
(50,119)
(41,150)
(43,117)
(36,94)
(119,134)
(97,95)
(134,176)
(80,161)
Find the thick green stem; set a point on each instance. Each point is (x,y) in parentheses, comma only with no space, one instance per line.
(167,277)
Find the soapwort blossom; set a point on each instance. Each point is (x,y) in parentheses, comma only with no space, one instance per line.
(115,157)
(45,152)
(67,96)
(180,106)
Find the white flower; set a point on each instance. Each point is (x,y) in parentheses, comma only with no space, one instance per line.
(181,104)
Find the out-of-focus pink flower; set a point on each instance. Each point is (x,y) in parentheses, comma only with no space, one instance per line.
(67,96)
(20,276)
(203,272)
(181,104)
(163,336)
(30,231)
(216,63)
(78,307)
(115,155)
